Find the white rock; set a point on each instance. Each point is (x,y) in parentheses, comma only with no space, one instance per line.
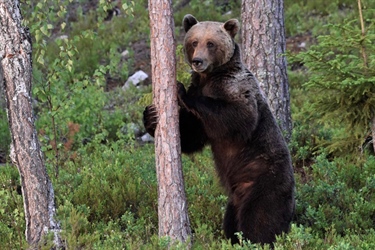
(302,45)
(125,53)
(147,138)
(135,79)
(62,37)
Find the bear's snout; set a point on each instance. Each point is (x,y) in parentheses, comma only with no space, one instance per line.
(200,65)
(197,61)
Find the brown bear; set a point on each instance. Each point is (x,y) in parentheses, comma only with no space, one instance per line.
(225,108)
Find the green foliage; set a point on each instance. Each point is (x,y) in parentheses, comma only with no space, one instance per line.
(77,231)
(72,61)
(106,189)
(301,237)
(307,133)
(199,172)
(338,195)
(12,221)
(183,69)
(341,75)
(4,133)
(303,16)
(208,10)
(105,182)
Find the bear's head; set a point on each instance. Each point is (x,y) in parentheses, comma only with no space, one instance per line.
(208,45)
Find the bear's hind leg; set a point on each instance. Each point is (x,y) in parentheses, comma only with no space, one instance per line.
(258,222)
(230,223)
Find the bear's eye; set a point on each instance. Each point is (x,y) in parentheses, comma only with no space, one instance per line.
(195,44)
(210,44)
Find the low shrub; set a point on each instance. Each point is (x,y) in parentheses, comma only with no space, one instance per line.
(337,195)
(12,220)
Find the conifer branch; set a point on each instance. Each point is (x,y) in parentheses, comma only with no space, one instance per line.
(363,49)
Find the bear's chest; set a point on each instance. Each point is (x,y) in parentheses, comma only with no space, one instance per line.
(208,91)
(219,90)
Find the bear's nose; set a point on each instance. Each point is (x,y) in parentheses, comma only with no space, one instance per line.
(197,61)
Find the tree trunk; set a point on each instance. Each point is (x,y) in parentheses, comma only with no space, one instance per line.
(263,49)
(37,191)
(172,204)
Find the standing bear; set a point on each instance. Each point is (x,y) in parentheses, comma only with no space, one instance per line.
(225,108)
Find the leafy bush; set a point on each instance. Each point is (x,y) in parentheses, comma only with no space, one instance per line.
(341,75)
(115,182)
(204,190)
(338,195)
(12,221)
(72,61)
(208,10)
(308,132)
(4,134)
(304,16)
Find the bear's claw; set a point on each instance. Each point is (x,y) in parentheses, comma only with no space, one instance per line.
(150,119)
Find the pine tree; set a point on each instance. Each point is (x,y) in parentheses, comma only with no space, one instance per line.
(342,76)
(172,204)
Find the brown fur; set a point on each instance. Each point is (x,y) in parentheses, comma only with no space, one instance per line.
(212,52)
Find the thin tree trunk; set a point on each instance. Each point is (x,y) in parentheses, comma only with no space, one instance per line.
(37,191)
(263,48)
(365,62)
(172,204)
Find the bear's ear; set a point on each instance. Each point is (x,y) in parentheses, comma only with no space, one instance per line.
(189,21)
(232,26)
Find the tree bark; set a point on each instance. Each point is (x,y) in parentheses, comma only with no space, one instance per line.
(263,49)
(25,152)
(172,204)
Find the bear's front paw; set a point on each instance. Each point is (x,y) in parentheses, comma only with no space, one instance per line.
(181,91)
(150,119)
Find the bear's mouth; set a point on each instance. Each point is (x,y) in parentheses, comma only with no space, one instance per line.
(200,67)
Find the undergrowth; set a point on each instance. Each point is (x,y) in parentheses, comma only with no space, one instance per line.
(104,178)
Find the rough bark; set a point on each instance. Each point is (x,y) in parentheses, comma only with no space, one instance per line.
(25,152)
(263,51)
(172,204)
